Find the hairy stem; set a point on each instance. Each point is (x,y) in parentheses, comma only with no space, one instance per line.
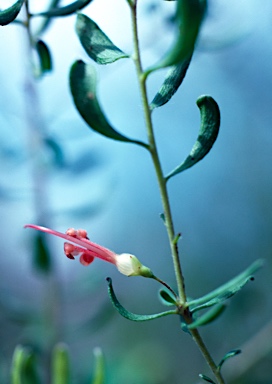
(164,195)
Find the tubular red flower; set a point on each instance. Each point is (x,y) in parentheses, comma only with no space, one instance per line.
(79,244)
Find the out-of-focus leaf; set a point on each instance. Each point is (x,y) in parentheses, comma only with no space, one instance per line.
(23,370)
(44,56)
(209,128)
(172,81)
(99,368)
(232,353)
(66,10)
(206,378)
(42,257)
(46,20)
(166,298)
(189,16)
(60,365)
(208,317)
(57,151)
(227,290)
(10,14)
(96,44)
(129,315)
(83,88)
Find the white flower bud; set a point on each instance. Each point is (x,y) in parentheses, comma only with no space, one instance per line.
(129,265)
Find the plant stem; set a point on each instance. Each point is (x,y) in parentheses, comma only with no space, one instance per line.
(164,195)
(155,158)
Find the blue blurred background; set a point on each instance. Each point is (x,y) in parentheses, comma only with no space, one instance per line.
(65,175)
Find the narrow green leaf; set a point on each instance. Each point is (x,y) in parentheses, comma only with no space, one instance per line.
(129,315)
(42,257)
(166,298)
(96,44)
(44,56)
(10,14)
(23,370)
(232,353)
(60,365)
(99,370)
(46,20)
(208,132)
(172,81)
(208,317)
(57,151)
(189,15)
(83,88)
(206,378)
(66,10)
(226,290)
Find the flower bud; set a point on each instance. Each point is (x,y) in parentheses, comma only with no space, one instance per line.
(129,265)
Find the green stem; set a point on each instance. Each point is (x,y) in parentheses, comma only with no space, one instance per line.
(155,158)
(164,194)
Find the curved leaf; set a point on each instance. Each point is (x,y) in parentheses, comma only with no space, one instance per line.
(166,298)
(129,315)
(96,44)
(208,317)
(226,290)
(44,56)
(10,14)
(232,353)
(66,10)
(189,16)
(209,128)
(206,378)
(83,88)
(172,81)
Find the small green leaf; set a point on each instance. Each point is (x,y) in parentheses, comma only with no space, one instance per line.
(206,378)
(96,44)
(189,16)
(44,56)
(42,257)
(209,128)
(166,298)
(208,317)
(129,315)
(83,88)
(60,365)
(10,14)
(232,353)
(172,81)
(46,20)
(66,10)
(23,370)
(226,290)
(57,151)
(99,370)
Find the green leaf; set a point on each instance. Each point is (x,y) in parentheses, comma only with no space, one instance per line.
(23,370)
(206,378)
(189,15)
(60,365)
(66,10)
(129,315)
(83,88)
(99,370)
(46,20)
(42,257)
(226,290)
(209,128)
(232,353)
(44,56)
(172,81)
(166,298)
(10,14)
(96,44)
(208,317)
(57,151)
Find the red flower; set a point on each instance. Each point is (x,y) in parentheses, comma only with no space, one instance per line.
(79,244)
